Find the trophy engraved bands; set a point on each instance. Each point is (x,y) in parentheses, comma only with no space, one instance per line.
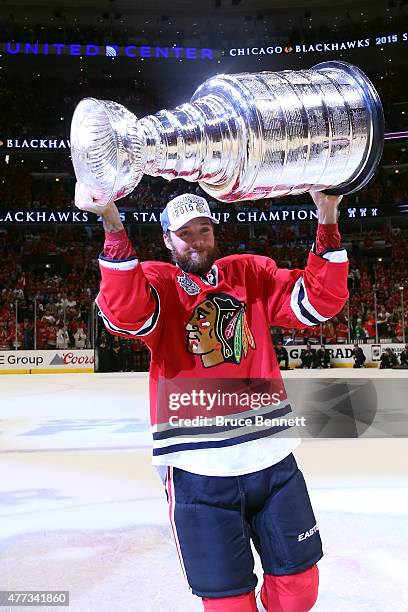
(242,137)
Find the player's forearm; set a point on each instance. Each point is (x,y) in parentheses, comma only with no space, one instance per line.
(328,214)
(111,220)
(117,244)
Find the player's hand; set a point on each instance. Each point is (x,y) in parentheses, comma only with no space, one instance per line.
(89,199)
(327,206)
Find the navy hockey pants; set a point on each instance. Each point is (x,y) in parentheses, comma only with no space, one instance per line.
(214,518)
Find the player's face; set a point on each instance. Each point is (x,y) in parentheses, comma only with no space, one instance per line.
(193,246)
(200,328)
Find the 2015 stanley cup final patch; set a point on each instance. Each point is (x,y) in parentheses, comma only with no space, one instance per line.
(188,284)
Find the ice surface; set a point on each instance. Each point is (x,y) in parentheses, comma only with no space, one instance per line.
(82,509)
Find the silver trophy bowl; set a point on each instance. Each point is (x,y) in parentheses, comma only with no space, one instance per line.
(242,137)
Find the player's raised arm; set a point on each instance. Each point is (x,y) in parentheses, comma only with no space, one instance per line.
(129,297)
(302,298)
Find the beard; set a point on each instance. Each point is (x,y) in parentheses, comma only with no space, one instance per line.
(195,262)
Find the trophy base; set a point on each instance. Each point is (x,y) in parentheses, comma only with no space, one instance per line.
(362,177)
(370,167)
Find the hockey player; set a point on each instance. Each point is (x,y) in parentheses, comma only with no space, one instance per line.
(207,319)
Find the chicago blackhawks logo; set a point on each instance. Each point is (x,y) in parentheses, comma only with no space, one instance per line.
(218,331)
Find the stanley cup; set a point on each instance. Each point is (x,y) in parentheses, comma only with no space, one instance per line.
(242,136)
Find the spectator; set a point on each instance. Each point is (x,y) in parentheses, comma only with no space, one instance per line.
(382,322)
(62,337)
(103,352)
(341,332)
(369,326)
(399,336)
(48,317)
(41,334)
(329,332)
(127,355)
(80,337)
(116,355)
(314,334)
(300,336)
(5,340)
(141,355)
(359,333)
(51,336)
(27,335)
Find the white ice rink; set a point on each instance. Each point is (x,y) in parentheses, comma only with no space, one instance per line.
(82,509)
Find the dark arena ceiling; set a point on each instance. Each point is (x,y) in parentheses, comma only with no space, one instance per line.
(224,26)
(87,10)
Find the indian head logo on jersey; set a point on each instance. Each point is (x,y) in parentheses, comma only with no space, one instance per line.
(218,331)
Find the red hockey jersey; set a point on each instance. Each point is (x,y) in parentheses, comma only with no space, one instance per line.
(216,328)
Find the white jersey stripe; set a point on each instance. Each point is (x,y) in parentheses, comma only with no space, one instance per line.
(298,304)
(338,256)
(308,305)
(119,265)
(294,304)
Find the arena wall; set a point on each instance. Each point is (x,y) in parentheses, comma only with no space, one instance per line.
(47,362)
(341,354)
